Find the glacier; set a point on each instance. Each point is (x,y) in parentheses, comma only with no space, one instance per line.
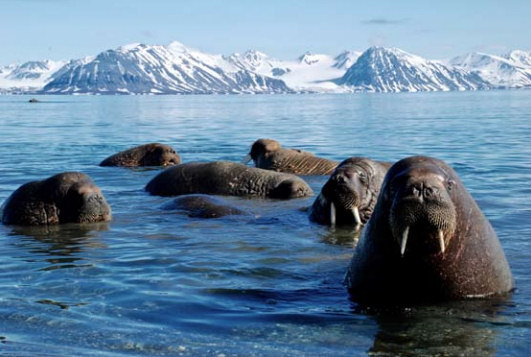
(178,69)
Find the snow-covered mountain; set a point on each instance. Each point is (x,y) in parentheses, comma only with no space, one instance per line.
(309,72)
(28,76)
(172,69)
(510,71)
(177,69)
(392,70)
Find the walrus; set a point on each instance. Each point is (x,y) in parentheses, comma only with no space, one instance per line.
(203,206)
(268,154)
(427,240)
(153,154)
(349,195)
(226,178)
(65,197)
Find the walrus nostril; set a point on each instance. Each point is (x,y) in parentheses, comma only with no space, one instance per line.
(339,179)
(416,191)
(429,192)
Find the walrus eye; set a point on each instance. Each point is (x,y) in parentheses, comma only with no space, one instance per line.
(363,176)
(450,184)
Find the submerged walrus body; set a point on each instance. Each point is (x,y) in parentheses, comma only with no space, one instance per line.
(349,195)
(268,154)
(203,206)
(226,178)
(63,198)
(427,240)
(153,154)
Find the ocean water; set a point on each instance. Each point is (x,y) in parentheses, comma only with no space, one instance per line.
(158,283)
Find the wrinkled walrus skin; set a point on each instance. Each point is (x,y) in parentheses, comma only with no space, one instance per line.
(203,206)
(350,194)
(226,178)
(269,155)
(63,198)
(153,154)
(427,240)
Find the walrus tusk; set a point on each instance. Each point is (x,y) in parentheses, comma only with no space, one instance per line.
(441,241)
(332,214)
(246,159)
(404,241)
(357,219)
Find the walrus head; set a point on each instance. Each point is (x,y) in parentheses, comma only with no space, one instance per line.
(260,150)
(77,198)
(160,155)
(422,215)
(351,192)
(290,188)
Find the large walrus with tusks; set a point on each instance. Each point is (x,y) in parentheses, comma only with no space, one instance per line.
(65,197)
(349,195)
(226,178)
(268,154)
(427,240)
(153,154)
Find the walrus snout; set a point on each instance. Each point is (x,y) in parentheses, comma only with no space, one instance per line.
(94,209)
(422,213)
(84,203)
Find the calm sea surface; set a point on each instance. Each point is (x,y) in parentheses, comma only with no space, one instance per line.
(155,282)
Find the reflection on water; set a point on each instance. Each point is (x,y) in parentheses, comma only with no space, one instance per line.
(64,244)
(458,328)
(155,283)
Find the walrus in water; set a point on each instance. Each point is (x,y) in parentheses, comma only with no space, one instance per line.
(349,195)
(202,206)
(226,178)
(153,154)
(427,240)
(65,197)
(268,154)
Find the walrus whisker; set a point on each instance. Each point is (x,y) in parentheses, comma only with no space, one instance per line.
(404,241)
(332,214)
(441,241)
(357,219)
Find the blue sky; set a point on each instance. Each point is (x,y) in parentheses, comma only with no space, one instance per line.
(65,29)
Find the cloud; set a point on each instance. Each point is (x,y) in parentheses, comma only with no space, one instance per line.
(148,34)
(384,21)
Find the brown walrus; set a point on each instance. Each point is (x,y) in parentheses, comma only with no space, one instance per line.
(153,154)
(349,195)
(203,206)
(427,240)
(268,154)
(65,197)
(226,178)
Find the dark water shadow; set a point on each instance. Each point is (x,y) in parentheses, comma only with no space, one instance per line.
(62,245)
(460,328)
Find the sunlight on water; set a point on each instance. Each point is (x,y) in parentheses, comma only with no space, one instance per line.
(155,282)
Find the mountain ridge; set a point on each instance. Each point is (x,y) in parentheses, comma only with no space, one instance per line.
(178,69)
